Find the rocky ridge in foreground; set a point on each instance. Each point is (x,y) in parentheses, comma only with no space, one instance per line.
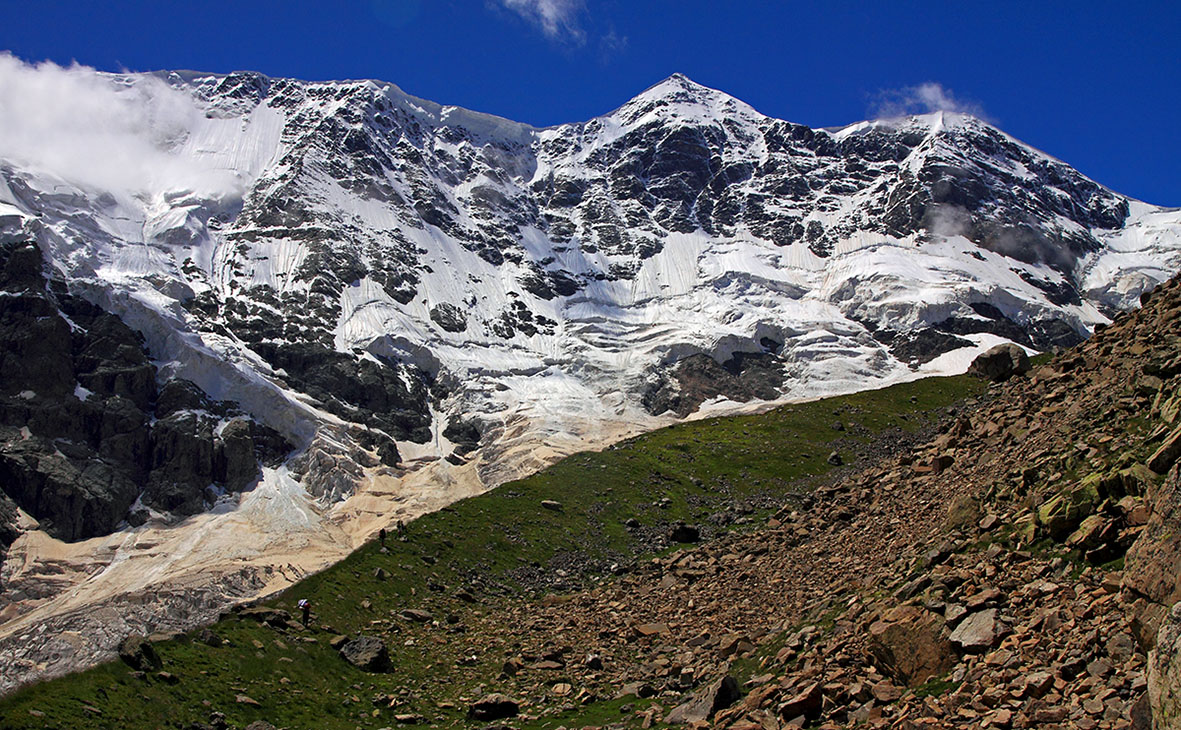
(975,582)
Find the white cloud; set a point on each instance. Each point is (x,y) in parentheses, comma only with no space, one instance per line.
(114,133)
(558,19)
(611,45)
(922,99)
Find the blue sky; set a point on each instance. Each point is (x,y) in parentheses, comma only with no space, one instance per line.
(1095,84)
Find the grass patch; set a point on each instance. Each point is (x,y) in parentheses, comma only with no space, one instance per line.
(936,687)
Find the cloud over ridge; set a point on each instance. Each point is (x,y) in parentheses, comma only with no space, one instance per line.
(558,19)
(109,132)
(922,99)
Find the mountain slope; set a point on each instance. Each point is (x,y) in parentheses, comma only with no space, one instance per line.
(426,301)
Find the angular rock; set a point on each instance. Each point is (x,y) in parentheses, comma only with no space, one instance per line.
(493,707)
(978,632)
(1091,533)
(139,654)
(1165,456)
(1000,363)
(807,703)
(1164,672)
(911,644)
(1152,565)
(276,617)
(651,629)
(367,653)
(702,706)
(734,644)
(1063,512)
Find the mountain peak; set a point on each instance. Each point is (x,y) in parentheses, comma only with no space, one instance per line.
(679,97)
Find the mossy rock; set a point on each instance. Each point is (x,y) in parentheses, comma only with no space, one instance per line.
(1062,513)
(1025,528)
(963,513)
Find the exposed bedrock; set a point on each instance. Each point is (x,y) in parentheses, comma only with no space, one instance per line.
(86,430)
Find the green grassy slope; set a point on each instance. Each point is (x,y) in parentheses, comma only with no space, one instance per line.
(460,564)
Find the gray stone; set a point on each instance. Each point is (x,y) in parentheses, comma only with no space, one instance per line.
(139,654)
(702,706)
(1000,363)
(978,632)
(366,653)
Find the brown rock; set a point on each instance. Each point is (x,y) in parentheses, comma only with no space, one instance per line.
(1037,684)
(911,644)
(1152,566)
(734,644)
(805,703)
(886,692)
(1164,457)
(493,707)
(1164,671)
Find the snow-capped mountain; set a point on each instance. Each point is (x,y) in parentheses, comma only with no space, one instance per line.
(357,305)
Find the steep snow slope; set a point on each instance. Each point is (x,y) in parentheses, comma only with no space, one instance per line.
(426,301)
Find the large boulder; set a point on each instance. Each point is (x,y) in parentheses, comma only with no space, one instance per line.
(1152,566)
(1062,513)
(1000,363)
(139,654)
(702,705)
(911,644)
(493,707)
(366,653)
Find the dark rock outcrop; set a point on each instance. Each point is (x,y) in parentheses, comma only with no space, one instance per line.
(493,707)
(1000,363)
(367,653)
(85,430)
(690,382)
(139,654)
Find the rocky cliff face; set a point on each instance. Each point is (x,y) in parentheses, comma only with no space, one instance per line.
(90,437)
(390,291)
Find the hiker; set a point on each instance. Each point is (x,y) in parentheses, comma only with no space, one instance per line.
(381,536)
(306,607)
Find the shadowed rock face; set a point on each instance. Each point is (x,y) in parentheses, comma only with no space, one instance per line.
(698,378)
(86,431)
